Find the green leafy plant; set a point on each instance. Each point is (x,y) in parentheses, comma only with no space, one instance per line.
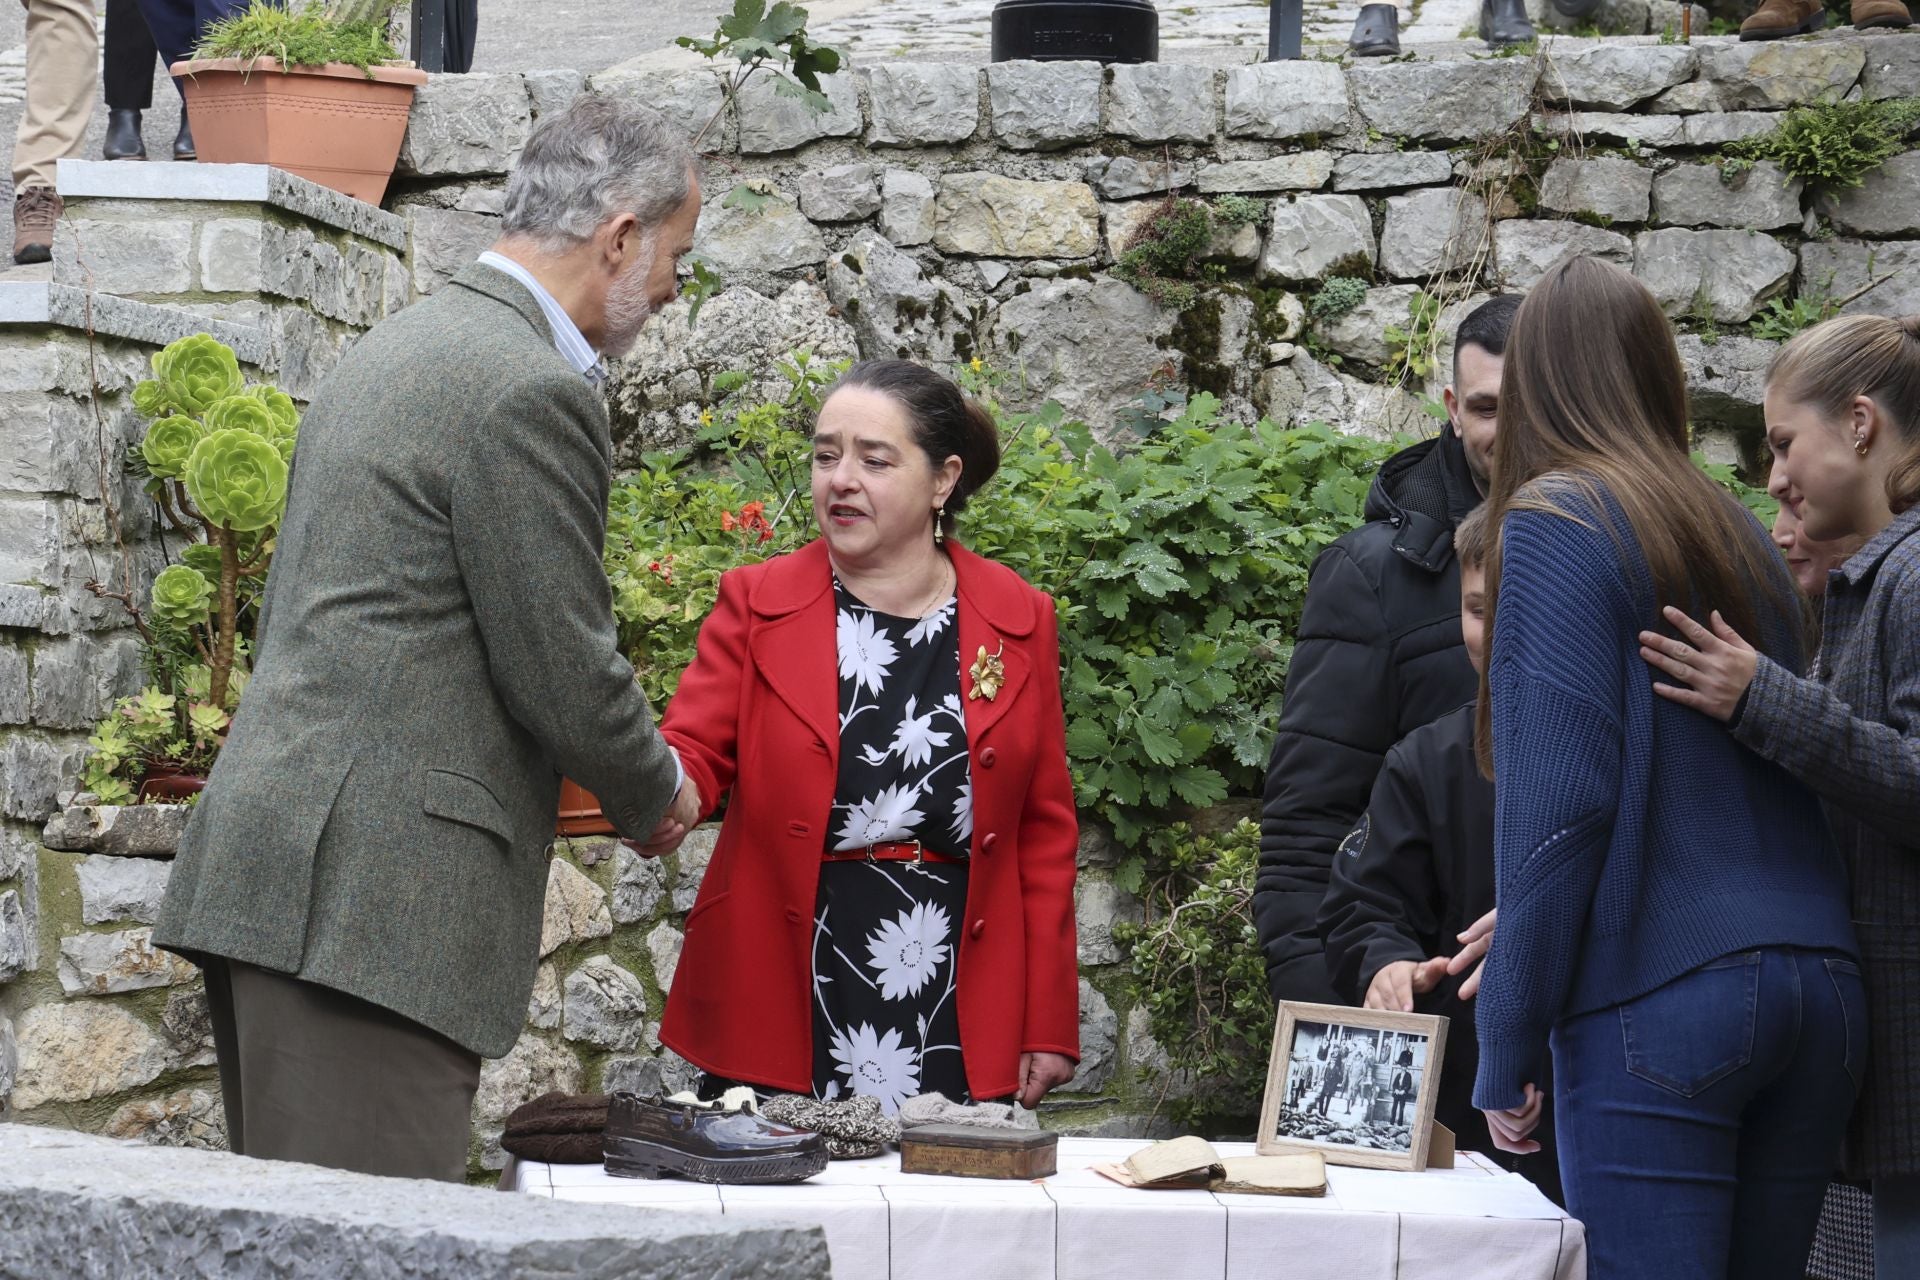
(1782,318)
(353,32)
(1166,254)
(1834,145)
(1411,346)
(1336,296)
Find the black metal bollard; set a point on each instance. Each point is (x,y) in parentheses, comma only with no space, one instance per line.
(1066,30)
(1283,29)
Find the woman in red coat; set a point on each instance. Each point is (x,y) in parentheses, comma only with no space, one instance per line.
(889,910)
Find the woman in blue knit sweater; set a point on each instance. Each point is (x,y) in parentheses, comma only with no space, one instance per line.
(1672,911)
(1843,422)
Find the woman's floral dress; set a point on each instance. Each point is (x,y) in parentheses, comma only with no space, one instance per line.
(885,940)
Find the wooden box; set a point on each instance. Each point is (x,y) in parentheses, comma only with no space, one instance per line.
(967,1152)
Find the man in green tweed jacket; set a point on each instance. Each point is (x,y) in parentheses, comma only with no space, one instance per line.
(363,879)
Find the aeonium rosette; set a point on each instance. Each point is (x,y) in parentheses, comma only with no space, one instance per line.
(238,479)
(182,596)
(285,416)
(195,372)
(168,443)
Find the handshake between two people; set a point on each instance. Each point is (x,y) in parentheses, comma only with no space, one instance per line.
(680,818)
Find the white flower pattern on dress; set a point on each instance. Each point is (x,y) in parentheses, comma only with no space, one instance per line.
(879,819)
(865,651)
(931,625)
(963,813)
(906,951)
(916,737)
(877,1065)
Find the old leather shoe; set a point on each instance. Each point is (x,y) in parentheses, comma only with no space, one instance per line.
(649,1137)
(1880,13)
(1505,22)
(35,212)
(1777,19)
(123,136)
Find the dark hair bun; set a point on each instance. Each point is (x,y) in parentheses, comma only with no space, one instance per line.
(944,422)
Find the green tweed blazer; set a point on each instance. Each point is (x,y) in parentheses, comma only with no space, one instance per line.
(437,645)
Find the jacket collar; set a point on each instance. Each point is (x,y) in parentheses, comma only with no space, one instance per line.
(1423,492)
(1868,559)
(800,578)
(503,288)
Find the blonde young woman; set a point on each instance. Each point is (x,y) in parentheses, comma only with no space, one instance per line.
(1843,422)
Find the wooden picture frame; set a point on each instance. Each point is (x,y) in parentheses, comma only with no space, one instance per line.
(1335,1083)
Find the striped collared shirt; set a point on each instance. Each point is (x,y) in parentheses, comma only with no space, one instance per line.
(567,338)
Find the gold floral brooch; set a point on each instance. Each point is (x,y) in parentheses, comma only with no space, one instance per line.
(988,673)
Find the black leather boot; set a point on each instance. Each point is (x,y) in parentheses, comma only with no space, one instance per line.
(1376,32)
(1504,22)
(653,1137)
(183,140)
(123,136)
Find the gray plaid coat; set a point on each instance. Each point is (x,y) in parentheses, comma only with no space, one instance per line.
(1854,737)
(437,641)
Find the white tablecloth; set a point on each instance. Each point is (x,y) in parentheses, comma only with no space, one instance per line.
(1473,1222)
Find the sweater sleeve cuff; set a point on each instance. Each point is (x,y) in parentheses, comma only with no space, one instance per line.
(1506,1069)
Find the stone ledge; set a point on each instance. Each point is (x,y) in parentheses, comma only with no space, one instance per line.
(40,303)
(75,1206)
(231,183)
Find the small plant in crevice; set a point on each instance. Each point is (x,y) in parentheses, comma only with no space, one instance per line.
(1832,145)
(1166,256)
(1783,318)
(1337,296)
(1411,346)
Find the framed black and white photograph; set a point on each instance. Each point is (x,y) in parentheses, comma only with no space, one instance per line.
(1356,1085)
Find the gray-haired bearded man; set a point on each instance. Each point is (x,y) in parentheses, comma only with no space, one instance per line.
(364,876)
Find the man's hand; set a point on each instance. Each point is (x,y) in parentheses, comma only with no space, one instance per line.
(1510,1128)
(1395,986)
(679,819)
(1479,940)
(1039,1073)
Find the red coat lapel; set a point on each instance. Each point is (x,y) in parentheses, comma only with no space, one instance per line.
(793,640)
(996,614)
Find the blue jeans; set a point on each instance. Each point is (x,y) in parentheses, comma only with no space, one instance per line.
(1698,1124)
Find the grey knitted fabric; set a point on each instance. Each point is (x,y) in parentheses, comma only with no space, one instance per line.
(854,1128)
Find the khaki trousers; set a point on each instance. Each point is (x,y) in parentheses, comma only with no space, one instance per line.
(318,1076)
(63,68)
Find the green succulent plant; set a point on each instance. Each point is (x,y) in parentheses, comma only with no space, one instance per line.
(150,398)
(168,443)
(237,479)
(279,402)
(204,558)
(182,596)
(196,371)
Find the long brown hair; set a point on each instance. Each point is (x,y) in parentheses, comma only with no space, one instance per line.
(1593,397)
(1834,362)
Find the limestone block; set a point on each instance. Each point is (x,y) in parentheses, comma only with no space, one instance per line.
(1433,230)
(80,1206)
(1837,268)
(151,255)
(1123,177)
(1609,17)
(688,100)
(76,680)
(1360,334)
(535,1065)
(1391,169)
(230,255)
(1098,906)
(691,862)
(841,193)
(190,1118)
(1146,1055)
(664,944)
(1716,129)
(576,908)
(986,215)
(33,770)
(554,90)
(1766,76)
(1610,186)
(1304,390)
(906,207)
(1886,203)
(1668,16)
(466,124)
(1306,236)
(1616,77)
(1044,105)
(605,1005)
(543,1006)
(1444,101)
(639,886)
(1161,102)
(1891,70)
(1092,345)
(1701,195)
(80,1050)
(775,237)
(20,606)
(1286,100)
(895,309)
(102,964)
(771,122)
(445,243)
(1691,98)
(9,1060)
(1300,171)
(1718,275)
(187,1023)
(1613,127)
(921,103)
(122,831)
(115,889)
(662,1075)
(1726,379)
(16,695)
(1096,847)
(1525,250)
(17,950)
(1099,1033)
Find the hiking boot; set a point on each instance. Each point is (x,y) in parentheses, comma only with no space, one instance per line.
(1505,22)
(1376,32)
(1880,13)
(35,211)
(123,136)
(1777,19)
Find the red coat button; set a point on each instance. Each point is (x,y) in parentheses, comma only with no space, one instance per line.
(987,757)
(979,927)
(988,841)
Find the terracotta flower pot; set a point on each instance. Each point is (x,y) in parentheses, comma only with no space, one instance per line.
(331,125)
(168,784)
(580,812)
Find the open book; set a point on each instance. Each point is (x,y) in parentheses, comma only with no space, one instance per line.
(1191,1163)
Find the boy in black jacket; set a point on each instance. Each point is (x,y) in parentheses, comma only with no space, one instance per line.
(1417,872)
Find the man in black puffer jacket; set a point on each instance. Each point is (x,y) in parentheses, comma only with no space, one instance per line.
(1378,655)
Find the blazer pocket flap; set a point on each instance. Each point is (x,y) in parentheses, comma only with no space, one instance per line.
(458,798)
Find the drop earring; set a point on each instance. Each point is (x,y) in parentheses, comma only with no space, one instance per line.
(939,524)
(1860,445)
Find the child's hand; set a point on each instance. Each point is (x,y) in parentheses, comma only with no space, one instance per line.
(1511,1130)
(1479,939)
(1395,986)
